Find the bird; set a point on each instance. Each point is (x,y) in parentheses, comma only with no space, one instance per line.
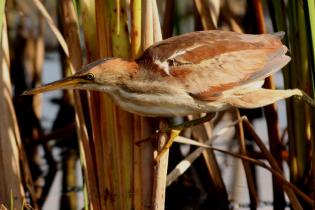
(196,72)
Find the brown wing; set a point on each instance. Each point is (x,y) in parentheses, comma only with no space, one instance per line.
(208,63)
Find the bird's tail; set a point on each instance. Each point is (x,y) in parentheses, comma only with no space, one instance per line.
(279,34)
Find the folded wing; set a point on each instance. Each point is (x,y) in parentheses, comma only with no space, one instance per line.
(209,64)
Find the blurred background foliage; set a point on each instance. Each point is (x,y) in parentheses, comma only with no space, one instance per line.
(86,143)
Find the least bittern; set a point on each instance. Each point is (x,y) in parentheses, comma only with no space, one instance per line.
(197,72)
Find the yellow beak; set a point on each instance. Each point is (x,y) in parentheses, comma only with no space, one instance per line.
(66,83)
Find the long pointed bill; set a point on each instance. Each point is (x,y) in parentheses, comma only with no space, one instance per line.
(66,83)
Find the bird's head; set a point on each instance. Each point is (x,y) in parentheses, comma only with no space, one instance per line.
(99,75)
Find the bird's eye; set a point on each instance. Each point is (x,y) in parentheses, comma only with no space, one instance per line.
(90,76)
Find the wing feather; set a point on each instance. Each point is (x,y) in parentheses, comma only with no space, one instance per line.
(209,63)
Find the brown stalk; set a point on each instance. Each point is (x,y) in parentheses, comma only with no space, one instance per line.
(276,173)
(168,20)
(212,178)
(101,111)
(294,201)
(271,115)
(247,168)
(182,166)
(206,12)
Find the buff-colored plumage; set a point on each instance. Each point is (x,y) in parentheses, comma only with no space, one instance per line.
(196,72)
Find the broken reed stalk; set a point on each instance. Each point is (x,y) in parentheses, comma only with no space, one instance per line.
(274,169)
(271,115)
(279,175)
(182,166)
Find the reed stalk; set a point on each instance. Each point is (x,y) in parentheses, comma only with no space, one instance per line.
(298,75)
(272,119)
(71,32)
(11,189)
(213,178)
(302,131)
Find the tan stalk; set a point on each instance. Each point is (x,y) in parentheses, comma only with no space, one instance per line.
(89,28)
(39,5)
(10,142)
(157,33)
(111,127)
(123,155)
(208,12)
(247,168)
(147,24)
(189,159)
(143,158)
(135,33)
(71,30)
(153,34)
(38,64)
(101,109)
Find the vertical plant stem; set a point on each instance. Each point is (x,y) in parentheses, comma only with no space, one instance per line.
(213,179)
(301,132)
(298,75)
(271,115)
(208,19)
(71,30)
(135,33)
(152,32)
(309,8)
(292,197)
(102,118)
(143,158)
(168,20)
(124,120)
(10,142)
(160,169)
(249,175)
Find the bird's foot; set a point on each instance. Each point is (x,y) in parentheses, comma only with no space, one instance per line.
(175,131)
(173,134)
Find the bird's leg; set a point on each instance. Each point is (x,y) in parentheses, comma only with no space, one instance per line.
(176,129)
